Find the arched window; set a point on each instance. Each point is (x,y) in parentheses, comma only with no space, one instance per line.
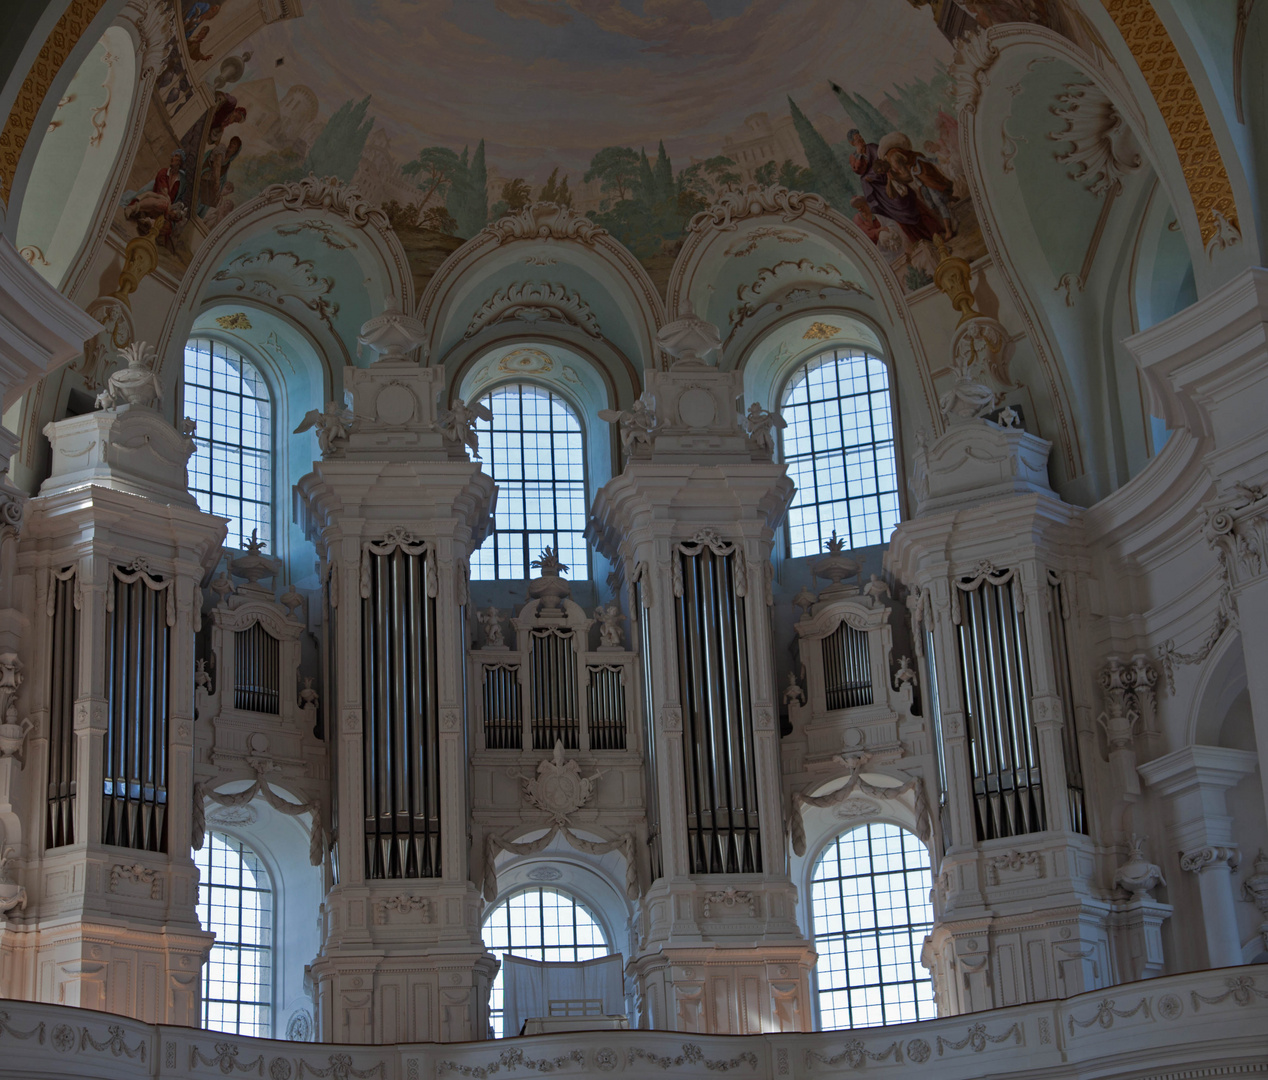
(235,899)
(533,449)
(230,473)
(540,924)
(870,904)
(839,447)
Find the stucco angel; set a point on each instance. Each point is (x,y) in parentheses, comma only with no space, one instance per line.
(333,425)
(458,424)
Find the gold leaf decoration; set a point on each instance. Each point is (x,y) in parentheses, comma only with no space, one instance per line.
(35,87)
(1181,109)
(237,321)
(821,332)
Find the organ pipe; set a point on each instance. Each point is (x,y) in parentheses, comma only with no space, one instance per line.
(134,811)
(606,707)
(64,638)
(503,714)
(719,749)
(994,668)
(847,668)
(554,715)
(1058,625)
(257,670)
(401,728)
(649,732)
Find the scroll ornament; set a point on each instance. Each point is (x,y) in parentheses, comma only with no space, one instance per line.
(855,785)
(624,844)
(317,833)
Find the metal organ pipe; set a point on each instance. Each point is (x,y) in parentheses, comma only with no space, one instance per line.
(59,824)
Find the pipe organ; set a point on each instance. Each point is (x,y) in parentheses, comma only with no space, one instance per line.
(996,625)
(117,551)
(698,577)
(394,511)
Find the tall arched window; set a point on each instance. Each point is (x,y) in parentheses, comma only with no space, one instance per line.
(533,449)
(230,473)
(235,899)
(540,924)
(839,446)
(870,904)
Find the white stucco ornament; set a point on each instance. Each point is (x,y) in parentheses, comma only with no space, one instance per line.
(689,339)
(559,789)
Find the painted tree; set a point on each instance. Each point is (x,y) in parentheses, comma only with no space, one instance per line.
(616,168)
(708,177)
(337,150)
(831,179)
(646,182)
(438,166)
(468,200)
(865,116)
(795,177)
(662,176)
(766,173)
(556,190)
(516,194)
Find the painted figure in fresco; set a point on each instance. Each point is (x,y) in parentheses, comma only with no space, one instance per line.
(227,111)
(159,205)
(197,13)
(212,182)
(889,196)
(931,185)
(195,45)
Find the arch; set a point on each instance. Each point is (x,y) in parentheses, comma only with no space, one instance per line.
(78,157)
(386,280)
(870,913)
(877,299)
(61,39)
(544,245)
(1221,678)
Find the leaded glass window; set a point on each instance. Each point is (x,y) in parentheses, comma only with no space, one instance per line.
(533,448)
(870,905)
(540,924)
(235,900)
(839,447)
(230,473)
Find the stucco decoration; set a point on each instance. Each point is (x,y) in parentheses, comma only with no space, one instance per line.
(534,302)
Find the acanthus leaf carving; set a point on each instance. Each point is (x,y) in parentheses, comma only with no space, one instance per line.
(1103,149)
(544,220)
(331,194)
(974,56)
(533,302)
(736,204)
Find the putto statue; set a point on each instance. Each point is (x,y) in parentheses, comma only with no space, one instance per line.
(637,424)
(610,618)
(491,623)
(137,384)
(333,425)
(761,425)
(458,424)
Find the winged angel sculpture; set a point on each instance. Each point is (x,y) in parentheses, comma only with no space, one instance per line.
(334,425)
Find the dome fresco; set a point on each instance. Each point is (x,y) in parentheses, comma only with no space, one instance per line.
(635,114)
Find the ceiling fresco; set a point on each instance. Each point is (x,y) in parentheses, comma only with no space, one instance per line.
(637,113)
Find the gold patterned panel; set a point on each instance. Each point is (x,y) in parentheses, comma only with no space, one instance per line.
(1181,109)
(35,87)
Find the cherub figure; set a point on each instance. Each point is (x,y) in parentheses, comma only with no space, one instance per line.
(333,424)
(491,623)
(761,425)
(637,424)
(202,677)
(610,618)
(458,424)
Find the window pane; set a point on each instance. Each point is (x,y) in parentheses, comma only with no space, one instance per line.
(870,903)
(540,924)
(230,473)
(839,448)
(235,900)
(533,449)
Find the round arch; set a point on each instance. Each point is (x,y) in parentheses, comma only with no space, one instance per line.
(380,257)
